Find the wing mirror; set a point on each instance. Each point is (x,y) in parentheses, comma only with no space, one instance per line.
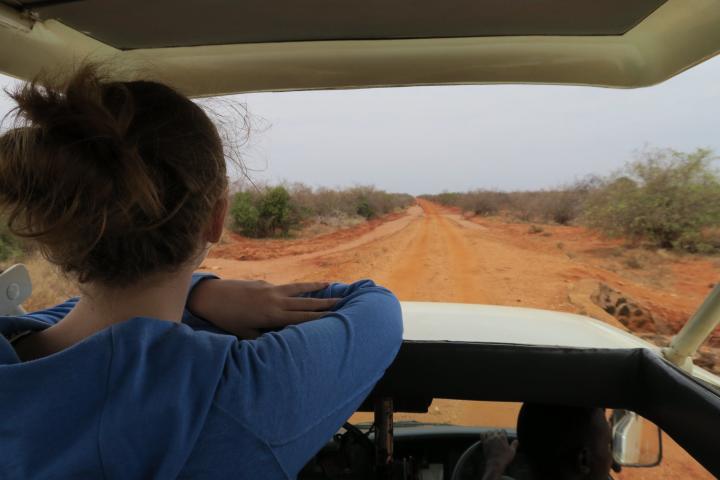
(636,442)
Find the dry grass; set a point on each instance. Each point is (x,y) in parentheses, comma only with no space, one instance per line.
(327,224)
(49,286)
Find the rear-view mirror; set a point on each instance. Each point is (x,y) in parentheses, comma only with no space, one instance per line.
(636,442)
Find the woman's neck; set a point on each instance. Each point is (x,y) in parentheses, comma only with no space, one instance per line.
(159,296)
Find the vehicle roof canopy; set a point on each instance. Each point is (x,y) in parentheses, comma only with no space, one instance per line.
(213,47)
(169,23)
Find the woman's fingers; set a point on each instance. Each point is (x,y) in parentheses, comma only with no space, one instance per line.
(293,289)
(309,304)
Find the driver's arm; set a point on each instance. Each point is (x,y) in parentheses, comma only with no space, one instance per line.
(498,454)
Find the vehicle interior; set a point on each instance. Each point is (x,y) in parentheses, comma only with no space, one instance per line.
(197,47)
(630,379)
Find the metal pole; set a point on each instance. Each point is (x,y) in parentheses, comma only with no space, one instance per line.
(694,333)
(384,437)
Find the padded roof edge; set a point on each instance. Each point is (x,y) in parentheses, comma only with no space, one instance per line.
(678,35)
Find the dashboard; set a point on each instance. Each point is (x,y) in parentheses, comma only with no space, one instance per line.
(420,452)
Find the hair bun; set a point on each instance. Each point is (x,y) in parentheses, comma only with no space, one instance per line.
(86,123)
(113,179)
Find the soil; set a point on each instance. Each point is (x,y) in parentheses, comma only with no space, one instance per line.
(432,253)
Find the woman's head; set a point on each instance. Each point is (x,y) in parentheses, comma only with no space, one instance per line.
(115,180)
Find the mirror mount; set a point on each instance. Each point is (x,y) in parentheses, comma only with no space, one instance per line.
(635,441)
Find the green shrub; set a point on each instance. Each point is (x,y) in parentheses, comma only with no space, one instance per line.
(665,197)
(272,211)
(364,209)
(244,215)
(276,213)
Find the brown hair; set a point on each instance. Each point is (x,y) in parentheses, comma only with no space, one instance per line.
(115,180)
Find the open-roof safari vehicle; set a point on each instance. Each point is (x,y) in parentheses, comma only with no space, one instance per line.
(451,351)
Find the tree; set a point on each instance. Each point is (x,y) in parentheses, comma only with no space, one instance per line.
(244,215)
(666,197)
(276,212)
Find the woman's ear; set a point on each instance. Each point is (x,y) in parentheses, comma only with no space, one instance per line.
(217,221)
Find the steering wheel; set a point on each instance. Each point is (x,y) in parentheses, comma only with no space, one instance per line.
(464,461)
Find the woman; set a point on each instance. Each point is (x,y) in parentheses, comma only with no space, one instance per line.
(123,186)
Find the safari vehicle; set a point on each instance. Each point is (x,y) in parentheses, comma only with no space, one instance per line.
(451,351)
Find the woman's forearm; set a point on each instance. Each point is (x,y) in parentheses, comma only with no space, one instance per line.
(243,307)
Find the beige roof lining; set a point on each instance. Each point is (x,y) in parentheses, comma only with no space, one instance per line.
(675,37)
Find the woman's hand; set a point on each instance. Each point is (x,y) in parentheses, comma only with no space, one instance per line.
(245,307)
(498,453)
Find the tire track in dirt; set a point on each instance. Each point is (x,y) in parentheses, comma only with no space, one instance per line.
(434,267)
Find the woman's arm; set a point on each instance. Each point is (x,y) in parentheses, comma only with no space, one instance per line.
(244,308)
(294,388)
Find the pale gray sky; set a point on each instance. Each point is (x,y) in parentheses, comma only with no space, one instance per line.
(430,139)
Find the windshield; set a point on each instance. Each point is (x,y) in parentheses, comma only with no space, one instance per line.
(598,202)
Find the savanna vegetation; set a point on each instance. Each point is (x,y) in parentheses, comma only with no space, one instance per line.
(270,211)
(664,198)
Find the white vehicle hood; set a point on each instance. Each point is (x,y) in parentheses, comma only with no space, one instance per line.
(457,322)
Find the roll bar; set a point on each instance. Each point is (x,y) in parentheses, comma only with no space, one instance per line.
(694,333)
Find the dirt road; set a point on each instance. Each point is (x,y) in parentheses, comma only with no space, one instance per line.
(433,254)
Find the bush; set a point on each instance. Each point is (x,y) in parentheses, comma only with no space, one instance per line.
(665,197)
(365,210)
(272,211)
(244,215)
(275,212)
(263,214)
(483,202)
(561,206)
(478,202)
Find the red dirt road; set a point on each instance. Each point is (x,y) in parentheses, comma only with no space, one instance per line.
(433,254)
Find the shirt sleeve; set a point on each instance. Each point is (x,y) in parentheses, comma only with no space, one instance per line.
(54,314)
(294,388)
(189,318)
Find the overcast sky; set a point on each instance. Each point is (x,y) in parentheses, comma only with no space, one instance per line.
(431,139)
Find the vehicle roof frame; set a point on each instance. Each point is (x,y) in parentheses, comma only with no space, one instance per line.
(678,35)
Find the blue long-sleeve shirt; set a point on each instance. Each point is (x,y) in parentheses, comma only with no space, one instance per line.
(149,398)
